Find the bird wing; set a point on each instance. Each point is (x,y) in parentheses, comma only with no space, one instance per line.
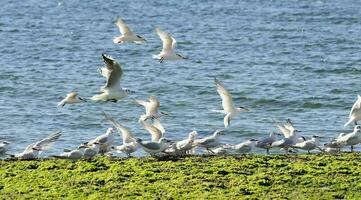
(158,125)
(154,131)
(289,125)
(227,102)
(123,27)
(114,73)
(150,145)
(227,120)
(72,95)
(123,132)
(48,141)
(168,41)
(356,106)
(154,104)
(284,130)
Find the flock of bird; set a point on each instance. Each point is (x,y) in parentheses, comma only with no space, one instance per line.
(159,144)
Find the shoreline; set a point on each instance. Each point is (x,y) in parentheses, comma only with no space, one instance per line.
(299,176)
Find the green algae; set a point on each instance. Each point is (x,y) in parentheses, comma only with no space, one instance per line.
(196,177)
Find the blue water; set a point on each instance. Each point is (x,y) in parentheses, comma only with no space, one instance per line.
(282,59)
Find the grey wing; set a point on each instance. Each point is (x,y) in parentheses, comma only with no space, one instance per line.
(123,132)
(48,141)
(151,145)
(115,72)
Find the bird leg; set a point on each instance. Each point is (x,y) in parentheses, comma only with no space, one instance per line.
(355,123)
(161,60)
(351,148)
(267,151)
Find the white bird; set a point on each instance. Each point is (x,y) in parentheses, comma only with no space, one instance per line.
(4,147)
(129,145)
(245,147)
(183,146)
(350,139)
(71,98)
(33,150)
(111,91)
(155,133)
(222,150)
(106,141)
(266,143)
(153,147)
(127,34)
(91,150)
(151,107)
(167,52)
(209,141)
(355,113)
(127,148)
(308,145)
(228,109)
(290,133)
(75,154)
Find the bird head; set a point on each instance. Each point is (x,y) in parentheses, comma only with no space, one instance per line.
(243,109)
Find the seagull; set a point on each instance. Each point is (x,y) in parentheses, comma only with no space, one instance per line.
(209,141)
(153,147)
(355,113)
(71,98)
(167,52)
(106,141)
(228,109)
(266,143)
(129,144)
(127,34)
(245,147)
(112,90)
(350,139)
(155,133)
(183,146)
(308,144)
(151,107)
(4,147)
(75,154)
(91,150)
(33,150)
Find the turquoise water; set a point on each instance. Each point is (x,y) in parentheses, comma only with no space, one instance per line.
(281,59)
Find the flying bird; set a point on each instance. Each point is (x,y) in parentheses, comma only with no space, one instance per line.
(127,34)
(167,52)
(228,109)
(113,72)
(71,98)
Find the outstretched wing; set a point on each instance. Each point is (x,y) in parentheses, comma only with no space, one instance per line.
(123,132)
(48,141)
(113,72)
(168,41)
(227,102)
(356,106)
(123,27)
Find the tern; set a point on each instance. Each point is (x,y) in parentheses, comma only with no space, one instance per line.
(350,139)
(209,141)
(106,141)
(33,150)
(167,52)
(183,146)
(153,148)
(308,145)
(111,91)
(71,98)
(245,147)
(91,150)
(151,107)
(266,143)
(355,113)
(127,34)
(228,109)
(75,154)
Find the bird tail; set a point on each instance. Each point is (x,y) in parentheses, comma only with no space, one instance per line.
(349,122)
(61,104)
